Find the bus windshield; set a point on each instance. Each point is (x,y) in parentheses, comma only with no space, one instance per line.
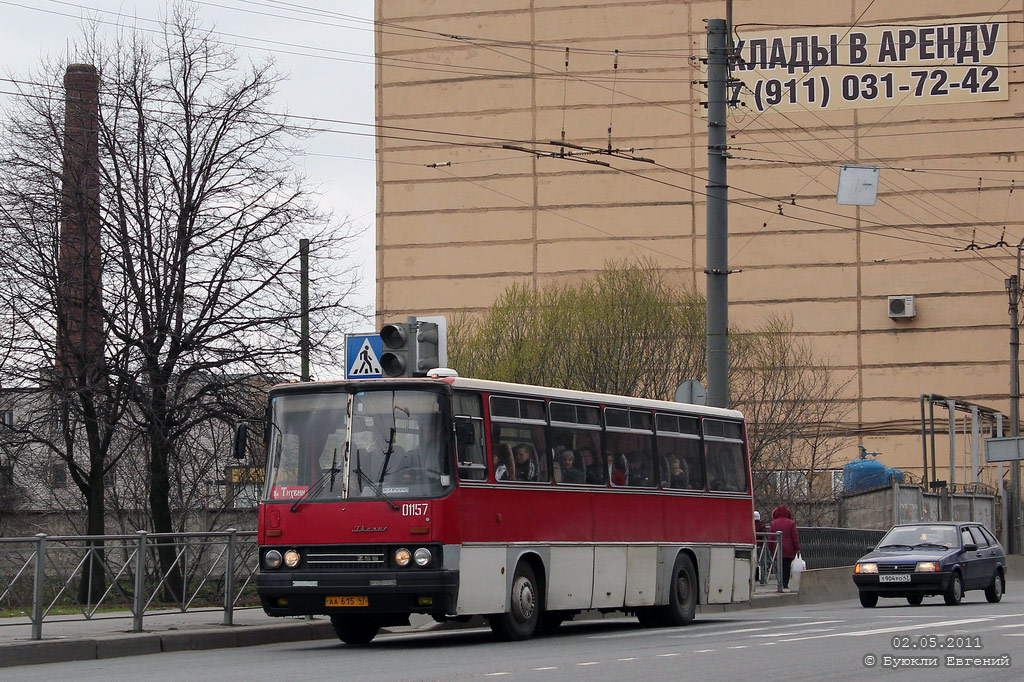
(393,446)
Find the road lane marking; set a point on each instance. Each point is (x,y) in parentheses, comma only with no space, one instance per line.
(768,643)
(705,651)
(899,628)
(1014,625)
(744,646)
(800,632)
(772,627)
(666,655)
(548,667)
(632,658)
(496,674)
(589,663)
(1014,634)
(701,626)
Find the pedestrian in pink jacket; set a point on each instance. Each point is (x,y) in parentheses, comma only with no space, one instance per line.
(782,520)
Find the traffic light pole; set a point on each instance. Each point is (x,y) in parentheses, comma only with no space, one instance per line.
(717,270)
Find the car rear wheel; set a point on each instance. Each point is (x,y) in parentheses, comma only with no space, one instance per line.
(994,592)
(868,599)
(915,599)
(955,592)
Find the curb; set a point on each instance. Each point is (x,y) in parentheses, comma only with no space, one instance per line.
(115,646)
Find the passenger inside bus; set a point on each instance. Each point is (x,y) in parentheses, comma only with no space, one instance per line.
(504,466)
(526,463)
(638,473)
(570,472)
(593,472)
(617,469)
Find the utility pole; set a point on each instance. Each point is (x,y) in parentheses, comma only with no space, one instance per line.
(1013,289)
(717,216)
(304,313)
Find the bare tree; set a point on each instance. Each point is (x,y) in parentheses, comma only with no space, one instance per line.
(201,214)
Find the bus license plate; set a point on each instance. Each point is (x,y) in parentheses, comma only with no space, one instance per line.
(899,578)
(348,601)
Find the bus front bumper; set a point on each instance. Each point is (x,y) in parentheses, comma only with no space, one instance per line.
(304,593)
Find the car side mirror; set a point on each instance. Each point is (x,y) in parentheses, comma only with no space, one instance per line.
(241,439)
(970,547)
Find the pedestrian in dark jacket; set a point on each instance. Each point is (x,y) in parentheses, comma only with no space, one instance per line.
(782,520)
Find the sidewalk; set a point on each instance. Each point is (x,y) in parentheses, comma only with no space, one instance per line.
(109,635)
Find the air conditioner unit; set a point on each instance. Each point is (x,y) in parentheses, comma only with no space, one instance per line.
(901,307)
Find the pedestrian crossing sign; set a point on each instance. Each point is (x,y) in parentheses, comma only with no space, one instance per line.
(362,356)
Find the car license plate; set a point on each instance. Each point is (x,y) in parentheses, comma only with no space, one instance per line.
(348,601)
(897,578)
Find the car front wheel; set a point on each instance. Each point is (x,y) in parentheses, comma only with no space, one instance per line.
(868,599)
(955,591)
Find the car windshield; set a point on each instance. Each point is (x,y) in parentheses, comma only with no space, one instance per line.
(393,446)
(922,535)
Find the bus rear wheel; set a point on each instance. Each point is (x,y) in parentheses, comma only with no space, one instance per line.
(355,629)
(682,600)
(520,621)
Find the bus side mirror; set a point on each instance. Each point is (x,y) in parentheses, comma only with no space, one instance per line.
(241,439)
(465,434)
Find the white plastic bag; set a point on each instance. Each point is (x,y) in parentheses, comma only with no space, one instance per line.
(795,569)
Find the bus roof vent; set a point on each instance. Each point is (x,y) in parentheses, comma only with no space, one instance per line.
(442,372)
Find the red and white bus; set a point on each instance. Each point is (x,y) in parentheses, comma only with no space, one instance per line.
(454,497)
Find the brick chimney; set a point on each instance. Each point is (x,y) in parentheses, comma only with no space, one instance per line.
(79,300)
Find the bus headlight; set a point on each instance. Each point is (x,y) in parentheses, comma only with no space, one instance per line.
(291,558)
(403,556)
(272,559)
(422,557)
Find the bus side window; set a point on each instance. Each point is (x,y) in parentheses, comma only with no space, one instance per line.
(469,437)
(726,466)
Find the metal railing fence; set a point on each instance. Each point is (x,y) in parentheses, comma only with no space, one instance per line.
(836,547)
(57,577)
(769,557)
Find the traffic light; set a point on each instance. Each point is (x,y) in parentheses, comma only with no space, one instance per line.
(398,358)
(411,349)
(427,348)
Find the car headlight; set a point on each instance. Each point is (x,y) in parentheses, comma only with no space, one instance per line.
(291,558)
(403,556)
(422,556)
(927,566)
(866,568)
(272,559)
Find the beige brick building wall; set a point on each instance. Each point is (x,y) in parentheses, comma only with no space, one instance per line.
(460,218)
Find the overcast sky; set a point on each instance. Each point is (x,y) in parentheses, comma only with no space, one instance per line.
(328,58)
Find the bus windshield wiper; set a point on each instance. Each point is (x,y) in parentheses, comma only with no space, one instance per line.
(318,486)
(373,484)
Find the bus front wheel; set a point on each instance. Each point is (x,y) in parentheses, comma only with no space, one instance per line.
(355,629)
(520,620)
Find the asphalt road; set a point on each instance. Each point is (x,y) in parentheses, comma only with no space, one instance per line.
(821,641)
